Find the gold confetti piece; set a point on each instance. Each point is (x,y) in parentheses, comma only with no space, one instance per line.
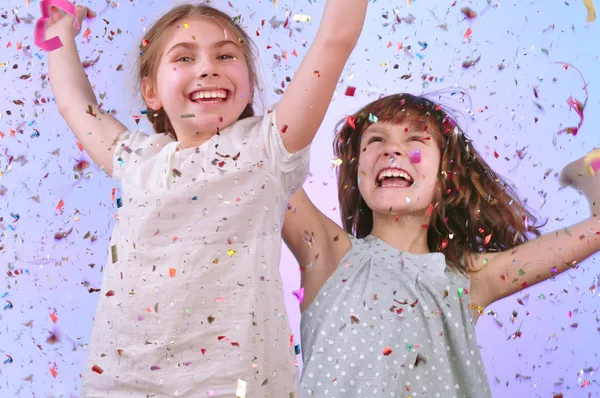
(591,10)
(240,392)
(231,252)
(301,18)
(113,252)
(337,162)
(187,115)
(592,162)
(186,25)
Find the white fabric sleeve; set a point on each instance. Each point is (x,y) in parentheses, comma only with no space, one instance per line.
(292,168)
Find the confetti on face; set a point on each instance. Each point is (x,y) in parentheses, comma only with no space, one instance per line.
(415,156)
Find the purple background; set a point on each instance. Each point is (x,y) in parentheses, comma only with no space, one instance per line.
(41,275)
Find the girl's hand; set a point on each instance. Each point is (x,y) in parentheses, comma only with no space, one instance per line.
(584,175)
(61,24)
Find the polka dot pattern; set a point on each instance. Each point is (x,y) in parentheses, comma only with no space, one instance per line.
(391,324)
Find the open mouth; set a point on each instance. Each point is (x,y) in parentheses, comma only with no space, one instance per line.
(394,177)
(210,96)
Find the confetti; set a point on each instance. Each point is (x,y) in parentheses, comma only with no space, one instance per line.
(97,369)
(154,367)
(187,115)
(592,162)
(240,391)
(172,272)
(350,91)
(415,156)
(299,294)
(301,18)
(591,10)
(113,253)
(575,104)
(387,351)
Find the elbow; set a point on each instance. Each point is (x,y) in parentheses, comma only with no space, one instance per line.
(340,45)
(63,108)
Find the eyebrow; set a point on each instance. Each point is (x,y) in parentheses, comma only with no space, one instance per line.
(190,45)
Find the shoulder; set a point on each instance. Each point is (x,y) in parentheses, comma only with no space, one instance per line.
(142,143)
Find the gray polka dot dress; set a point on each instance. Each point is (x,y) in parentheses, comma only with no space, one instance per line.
(391,324)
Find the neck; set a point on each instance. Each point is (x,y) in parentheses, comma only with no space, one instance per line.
(405,233)
(192,138)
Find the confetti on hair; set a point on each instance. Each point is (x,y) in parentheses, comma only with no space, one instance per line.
(373,118)
(574,103)
(351,122)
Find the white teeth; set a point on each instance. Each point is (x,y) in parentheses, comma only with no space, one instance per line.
(393,173)
(208,94)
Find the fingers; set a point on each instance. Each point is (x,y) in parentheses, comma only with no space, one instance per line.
(55,14)
(81,12)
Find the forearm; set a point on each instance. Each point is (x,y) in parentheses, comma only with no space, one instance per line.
(69,83)
(342,22)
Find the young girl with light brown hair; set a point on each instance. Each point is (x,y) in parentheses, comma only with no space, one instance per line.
(191,302)
(431,236)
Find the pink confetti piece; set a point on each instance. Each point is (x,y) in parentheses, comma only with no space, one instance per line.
(154,367)
(39,35)
(299,294)
(574,103)
(415,156)
(592,162)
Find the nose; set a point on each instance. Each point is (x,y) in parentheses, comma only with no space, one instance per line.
(208,69)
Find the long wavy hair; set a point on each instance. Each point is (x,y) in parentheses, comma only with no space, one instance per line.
(152,49)
(474,209)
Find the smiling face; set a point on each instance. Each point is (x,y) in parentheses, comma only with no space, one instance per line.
(398,167)
(203,81)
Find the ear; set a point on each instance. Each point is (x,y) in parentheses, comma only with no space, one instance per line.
(150,94)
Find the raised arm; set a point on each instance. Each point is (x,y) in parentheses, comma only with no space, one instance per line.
(74,96)
(316,241)
(509,272)
(305,102)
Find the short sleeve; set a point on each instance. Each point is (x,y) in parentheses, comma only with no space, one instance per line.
(133,148)
(292,168)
